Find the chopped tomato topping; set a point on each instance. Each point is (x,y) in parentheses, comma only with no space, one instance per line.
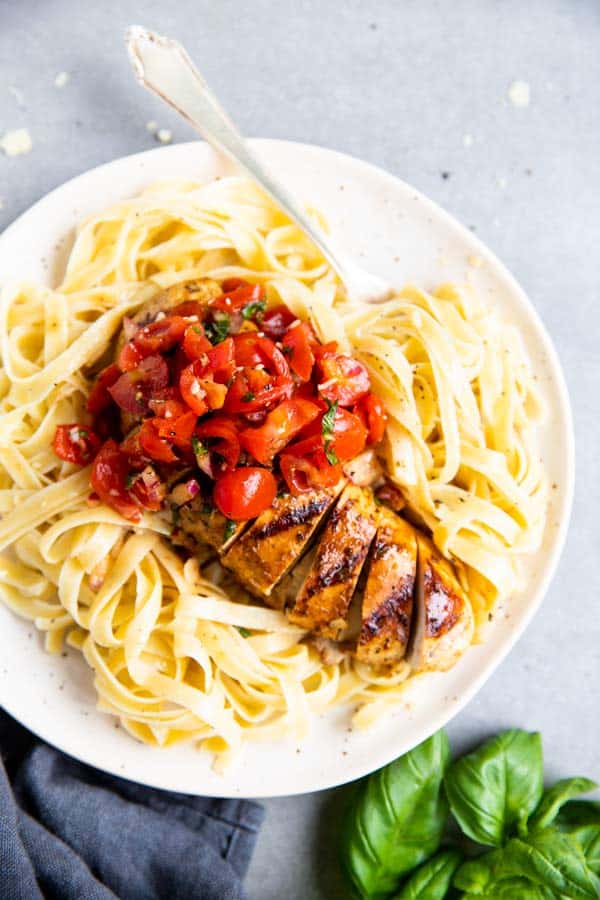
(148,489)
(237,297)
(221,361)
(221,435)
(253,391)
(349,435)
(157,337)
(372,412)
(251,350)
(276,322)
(132,449)
(100,398)
(75,443)
(109,478)
(134,388)
(152,444)
(199,389)
(195,343)
(343,379)
(168,404)
(245,492)
(190,309)
(297,344)
(279,428)
(301,474)
(177,431)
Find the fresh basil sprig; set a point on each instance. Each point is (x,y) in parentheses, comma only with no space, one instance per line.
(432,880)
(397,819)
(497,786)
(555,798)
(581,820)
(548,861)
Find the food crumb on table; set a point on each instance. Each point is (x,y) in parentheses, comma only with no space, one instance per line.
(16,142)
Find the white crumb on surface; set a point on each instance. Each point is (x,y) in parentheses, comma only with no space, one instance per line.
(164,135)
(62,79)
(16,143)
(1,203)
(501,182)
(152,126)
(519,94)
(467,140)
(18,95)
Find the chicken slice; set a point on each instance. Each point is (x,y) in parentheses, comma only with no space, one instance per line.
(388,594)
(286,592)
(444,624)
(206,525)
(324,599)
(277,539)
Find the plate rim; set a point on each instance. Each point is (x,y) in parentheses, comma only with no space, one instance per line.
(498,653)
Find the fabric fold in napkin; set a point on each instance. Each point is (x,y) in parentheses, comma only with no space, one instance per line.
(70,832)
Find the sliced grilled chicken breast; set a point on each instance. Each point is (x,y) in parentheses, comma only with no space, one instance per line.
(286,592)
(277,539)
(443,616)
(207,525)
(324,599)
(388,592)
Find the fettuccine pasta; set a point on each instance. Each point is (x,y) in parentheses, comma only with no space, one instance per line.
(179,656)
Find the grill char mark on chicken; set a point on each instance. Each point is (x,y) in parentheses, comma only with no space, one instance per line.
(277,539)
(324,599)
(388,594)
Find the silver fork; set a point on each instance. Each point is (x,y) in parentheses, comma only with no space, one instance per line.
(162,65)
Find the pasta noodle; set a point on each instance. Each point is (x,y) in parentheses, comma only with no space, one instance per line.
(178,657)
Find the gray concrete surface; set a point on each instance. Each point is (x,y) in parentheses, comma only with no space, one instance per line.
(399,83)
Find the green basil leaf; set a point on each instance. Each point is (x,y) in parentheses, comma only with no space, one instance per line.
(328,420)
(432,880)
(556,797)
(497,786)
(548,863)
(516,889)
(581,820)
(397,819)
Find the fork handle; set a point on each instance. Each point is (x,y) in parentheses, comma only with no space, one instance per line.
(163,66)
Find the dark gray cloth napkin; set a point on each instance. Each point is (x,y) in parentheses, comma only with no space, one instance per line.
(70,832)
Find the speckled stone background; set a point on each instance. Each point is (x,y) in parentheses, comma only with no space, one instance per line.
(421,88)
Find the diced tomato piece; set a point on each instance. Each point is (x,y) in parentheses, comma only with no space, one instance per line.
(322,351)
(168,404)
(199,390)
(301,474)
(278,429)
(134,389)
(157,337)
(297,347)
(152,444)
(244,493)
(75,443)
(276,321)
(195,343)
(374,416)
(221,361)
(99,398)
(343,379)
(177,431)
(254,391)
(109,478)
(236,298)
(349,435)
(148,489)
(230,284)
(189,309)
(251,351)
(132,449)
(223,439)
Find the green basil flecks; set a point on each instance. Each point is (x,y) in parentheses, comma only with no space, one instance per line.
(397,819)
(229,529)
(432,880)
(254,310)
(218,329)
(497,786)
(328,420)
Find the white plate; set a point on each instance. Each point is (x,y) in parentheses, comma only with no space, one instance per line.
(398,233)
